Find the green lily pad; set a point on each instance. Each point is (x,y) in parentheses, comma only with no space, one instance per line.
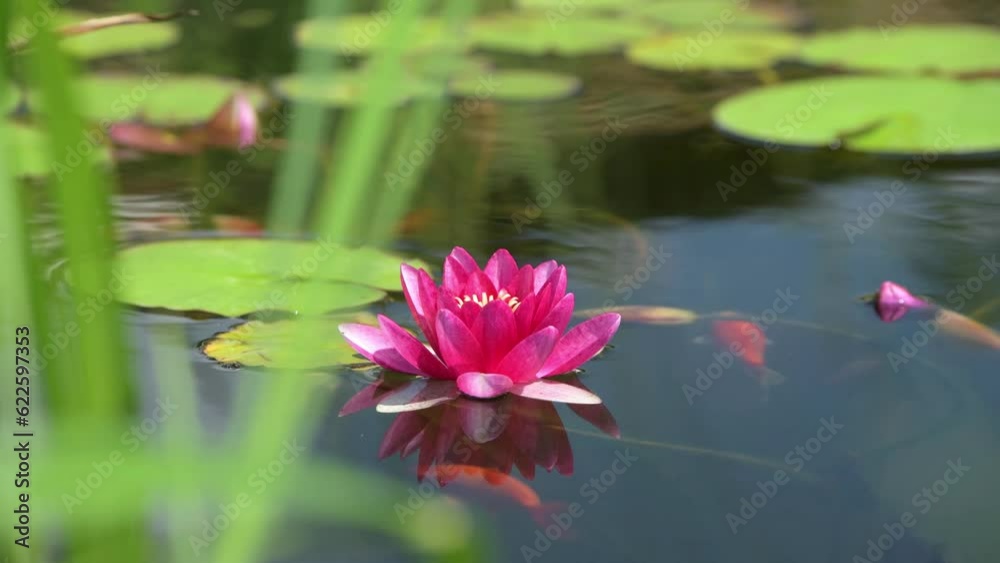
(236,277)
(349,88)
(361,34)
(519,86)
(712,17)
(118,40)
(29,149)
(886,115)
(944,49)
(305,343)
(534,34)
(736,50)
(158,96)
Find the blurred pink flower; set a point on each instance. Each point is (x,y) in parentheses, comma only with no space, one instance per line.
(893,301)
(490,331)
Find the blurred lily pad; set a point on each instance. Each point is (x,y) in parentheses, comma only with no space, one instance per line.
(886,115)
(9,96)
(517,86)
(119,39)
(30,151)
(158,96)
(361,34)
(236,277)
(736,50)
(712,17)
(292,344)
(536,33)
(645,314)
(348,88)
(937,49)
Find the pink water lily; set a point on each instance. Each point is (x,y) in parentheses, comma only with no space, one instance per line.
(893,301)
(490,331)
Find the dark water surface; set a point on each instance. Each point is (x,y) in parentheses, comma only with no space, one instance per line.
(654,191)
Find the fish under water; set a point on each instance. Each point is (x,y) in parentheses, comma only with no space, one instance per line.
(746,341)
(499,483)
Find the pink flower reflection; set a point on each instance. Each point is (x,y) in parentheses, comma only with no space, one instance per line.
(497,435)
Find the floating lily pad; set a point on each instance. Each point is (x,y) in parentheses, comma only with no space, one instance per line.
(944,49)
(900,116)
(361,34)
(118,40)
(29,151)
(443,66)
(711,15)
(534,34)
(157,96)
(235,277)
(293,344)
(348,88)
(736,50)
(519,86)
(645,314)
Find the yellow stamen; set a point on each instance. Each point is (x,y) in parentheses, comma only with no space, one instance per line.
(482,299)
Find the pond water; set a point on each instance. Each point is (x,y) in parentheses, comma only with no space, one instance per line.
(880,459)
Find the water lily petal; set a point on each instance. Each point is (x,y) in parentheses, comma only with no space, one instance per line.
(373,344)
(560,314)
(524,316)
(478,286)
(581,343)
(422,297)
(501,268)
(459,346)
(496,330)
(893,301)
(413,350)
(524,360)
(419,394)
(523,283)
(542,274)
(484,385)
(458,266)
(463,257)
(551,293)
(554,391)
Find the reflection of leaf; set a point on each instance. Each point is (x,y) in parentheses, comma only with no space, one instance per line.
(907,110)
(293,344)
(949,49)
(235,277)
(646,314)
(517,86)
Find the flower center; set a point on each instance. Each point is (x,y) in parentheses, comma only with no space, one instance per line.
(482,299)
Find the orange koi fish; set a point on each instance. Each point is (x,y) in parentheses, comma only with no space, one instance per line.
(497,482)
(747,341)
